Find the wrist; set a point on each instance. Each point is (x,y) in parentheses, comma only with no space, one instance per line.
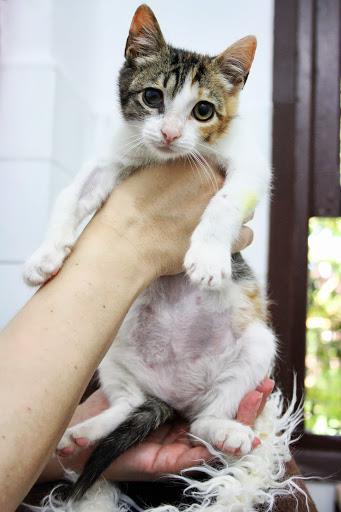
(122,228)
(105,253)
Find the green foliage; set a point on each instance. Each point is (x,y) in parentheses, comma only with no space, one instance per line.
(323,356)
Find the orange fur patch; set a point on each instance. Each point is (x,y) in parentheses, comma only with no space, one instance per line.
(220,123)
(255,307)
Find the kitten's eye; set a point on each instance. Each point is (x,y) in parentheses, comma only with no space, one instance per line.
(153,97)
(203,111)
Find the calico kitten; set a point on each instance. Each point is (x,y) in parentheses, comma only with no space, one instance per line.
(196,343)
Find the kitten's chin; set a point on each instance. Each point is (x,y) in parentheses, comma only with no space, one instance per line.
(162,152)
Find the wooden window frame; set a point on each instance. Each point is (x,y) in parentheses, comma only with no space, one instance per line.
(306,124)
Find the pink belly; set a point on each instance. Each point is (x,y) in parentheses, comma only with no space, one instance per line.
(181,339)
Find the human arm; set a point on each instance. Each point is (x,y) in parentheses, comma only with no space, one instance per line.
(49,351)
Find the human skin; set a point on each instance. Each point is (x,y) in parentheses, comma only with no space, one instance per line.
(168,450)
(49,351)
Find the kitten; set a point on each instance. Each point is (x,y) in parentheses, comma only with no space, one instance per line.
(196,343)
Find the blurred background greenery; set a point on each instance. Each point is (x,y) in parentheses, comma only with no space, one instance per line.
(323,354)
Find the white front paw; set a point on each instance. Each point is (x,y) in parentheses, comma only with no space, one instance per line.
(44,263)
(226,435)
(208,265)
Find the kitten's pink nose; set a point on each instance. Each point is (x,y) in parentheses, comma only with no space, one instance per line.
(169,135)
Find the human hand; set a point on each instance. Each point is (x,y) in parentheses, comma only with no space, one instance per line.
(167,450)
(156,210)
(170,450)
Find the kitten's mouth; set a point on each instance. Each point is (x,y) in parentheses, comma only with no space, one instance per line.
(165,148)
(168,149)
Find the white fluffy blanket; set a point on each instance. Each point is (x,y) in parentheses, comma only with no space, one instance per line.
(235,485)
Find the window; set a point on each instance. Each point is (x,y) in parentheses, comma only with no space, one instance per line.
(305,212)
(323,324)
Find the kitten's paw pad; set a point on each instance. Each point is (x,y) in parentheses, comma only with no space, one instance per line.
(71,441)
(209,267)
(235,438)
(66,445)
(81,435)
(44,264)
(227,435)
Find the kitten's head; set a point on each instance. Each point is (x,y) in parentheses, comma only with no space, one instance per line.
(179,101)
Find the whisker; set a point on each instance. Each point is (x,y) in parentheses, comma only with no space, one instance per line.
(131,147)
(209,148)
(192,162)
(202,168)
(134,135)
(199,166)
(129,142)
(209,170)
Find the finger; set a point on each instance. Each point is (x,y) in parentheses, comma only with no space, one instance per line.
(177,433)
(256,442)
(266,388)
(244,239)
(193,457)
(266,385)
(248,408)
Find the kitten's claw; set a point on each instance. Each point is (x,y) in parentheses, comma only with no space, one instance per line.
(209,267)
(227,435)
(44,264)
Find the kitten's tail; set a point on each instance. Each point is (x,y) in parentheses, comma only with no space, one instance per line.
(139,424)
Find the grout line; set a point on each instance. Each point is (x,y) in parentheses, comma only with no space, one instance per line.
(39,159)
(12,262)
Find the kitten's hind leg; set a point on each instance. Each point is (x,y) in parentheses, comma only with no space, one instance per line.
(80,199)
(97,427)
(215,424)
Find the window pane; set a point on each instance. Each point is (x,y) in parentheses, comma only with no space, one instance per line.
(323,354)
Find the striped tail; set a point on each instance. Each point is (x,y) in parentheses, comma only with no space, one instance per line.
(139,424)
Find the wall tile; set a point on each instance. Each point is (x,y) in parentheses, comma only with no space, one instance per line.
(74,127)
(24,197)
(27,192)
(26,111)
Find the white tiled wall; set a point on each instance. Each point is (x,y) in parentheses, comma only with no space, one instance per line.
(26,123)
(58,75)
(46,126)
(23,206)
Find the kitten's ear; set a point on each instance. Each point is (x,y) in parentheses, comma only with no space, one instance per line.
(145,37)
(236,60)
